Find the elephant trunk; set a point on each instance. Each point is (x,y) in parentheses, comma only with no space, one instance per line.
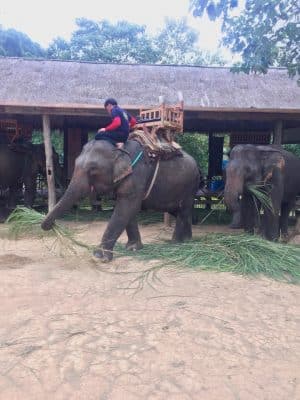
(233,192)
(77,189)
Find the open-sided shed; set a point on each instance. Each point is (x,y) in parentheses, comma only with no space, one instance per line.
(69,96)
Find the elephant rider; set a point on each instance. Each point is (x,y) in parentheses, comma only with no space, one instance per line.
(118,130)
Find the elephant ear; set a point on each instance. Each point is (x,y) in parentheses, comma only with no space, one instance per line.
(122,166)
(272,160)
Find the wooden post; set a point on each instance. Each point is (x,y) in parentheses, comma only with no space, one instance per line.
(49,163)
(277,138)
(161,101)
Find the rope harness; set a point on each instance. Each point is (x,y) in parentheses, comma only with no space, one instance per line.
(135,161)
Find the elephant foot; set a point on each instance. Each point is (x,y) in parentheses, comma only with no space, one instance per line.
(181,238)
(285,237)
(235,226)
(134,246)
(176,240)
(105,256)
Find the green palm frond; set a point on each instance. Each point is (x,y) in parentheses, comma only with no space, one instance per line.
(262,194)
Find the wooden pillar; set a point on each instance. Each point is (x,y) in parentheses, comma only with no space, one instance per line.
(277,138)
(84,137)
(66,152)
(49,162)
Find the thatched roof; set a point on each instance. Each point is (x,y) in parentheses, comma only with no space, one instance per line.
(81,84)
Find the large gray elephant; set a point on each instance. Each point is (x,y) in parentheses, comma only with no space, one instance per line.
(20,165)
(104,168)
(274,168)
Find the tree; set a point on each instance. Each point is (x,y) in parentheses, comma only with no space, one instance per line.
(105,42)
(16,44)
(124,42)
(266,33)
(197,146)
(293,148)
(59,49)
(176,43)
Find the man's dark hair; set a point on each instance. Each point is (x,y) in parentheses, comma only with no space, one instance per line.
(111,101)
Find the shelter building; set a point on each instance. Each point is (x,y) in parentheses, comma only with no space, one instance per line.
(70,95)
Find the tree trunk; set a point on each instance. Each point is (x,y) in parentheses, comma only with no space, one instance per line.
(49,163)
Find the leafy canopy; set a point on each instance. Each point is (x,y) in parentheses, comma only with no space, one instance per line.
(16,44)
(124,42)
(265,33)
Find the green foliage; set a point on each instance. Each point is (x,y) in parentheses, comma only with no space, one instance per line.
(102,41)
(59,49)
(196,145)
(176,42)
(125,42)
(293,148)
(122,42)
(240,254)
(266,33)
(213,8)
(16,44)
(25,221)
(57,140)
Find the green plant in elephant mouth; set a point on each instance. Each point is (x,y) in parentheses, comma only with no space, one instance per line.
(261,194)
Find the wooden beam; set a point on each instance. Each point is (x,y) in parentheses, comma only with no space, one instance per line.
(49,162)
(277,138)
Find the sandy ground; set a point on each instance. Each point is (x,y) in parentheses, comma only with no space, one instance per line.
(72,329)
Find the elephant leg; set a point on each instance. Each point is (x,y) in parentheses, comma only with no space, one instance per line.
(248,213)
(271,217)
(271,225)
(134,238)
(271,221)
(14,190)
(183,227)
(125,210)
(284,218)
(30,192)
(236,222)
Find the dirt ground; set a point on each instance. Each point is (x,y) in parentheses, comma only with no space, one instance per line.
(74,329)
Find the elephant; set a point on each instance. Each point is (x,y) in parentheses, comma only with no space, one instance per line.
(129,174)
(20,165)
(274,168)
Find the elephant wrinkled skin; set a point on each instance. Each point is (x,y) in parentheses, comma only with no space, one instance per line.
(272,167)
(104,168)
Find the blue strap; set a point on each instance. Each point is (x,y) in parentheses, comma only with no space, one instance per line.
(137,158)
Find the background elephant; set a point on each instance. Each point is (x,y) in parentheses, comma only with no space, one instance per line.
(277,170)
(104,168)
(20,165)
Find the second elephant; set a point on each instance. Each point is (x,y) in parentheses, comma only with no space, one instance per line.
(20,165)
(269,166)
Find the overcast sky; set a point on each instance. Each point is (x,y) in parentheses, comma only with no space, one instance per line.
(43,20)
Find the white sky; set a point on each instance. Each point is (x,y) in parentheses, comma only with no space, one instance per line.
(43,20)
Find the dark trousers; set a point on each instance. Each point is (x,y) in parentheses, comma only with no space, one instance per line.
(112,136)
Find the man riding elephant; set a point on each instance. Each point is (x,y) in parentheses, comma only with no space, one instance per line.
(137,182)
